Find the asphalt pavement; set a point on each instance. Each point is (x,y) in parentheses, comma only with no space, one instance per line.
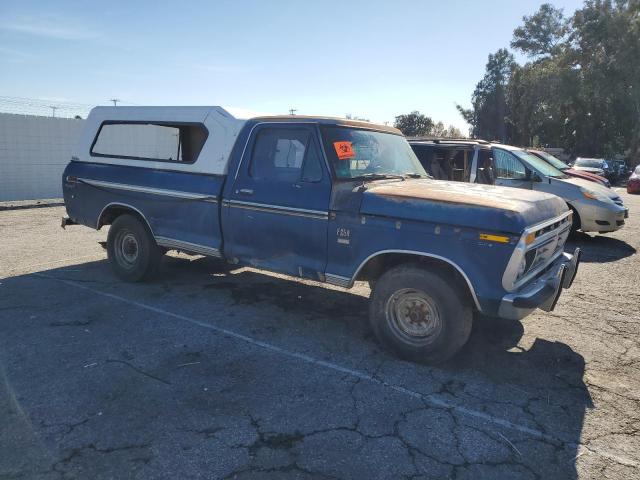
(209,372)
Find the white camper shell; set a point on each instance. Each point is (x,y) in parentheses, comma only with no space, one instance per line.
(222,129)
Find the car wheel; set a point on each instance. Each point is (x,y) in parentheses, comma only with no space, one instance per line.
(132,250)
(419,315)
(576,223)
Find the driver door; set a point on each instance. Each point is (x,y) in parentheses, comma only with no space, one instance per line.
(509,171)
(278,208)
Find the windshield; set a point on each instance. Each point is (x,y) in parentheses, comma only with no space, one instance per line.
(588,162)
(559,164)
(540,165)
(359,153)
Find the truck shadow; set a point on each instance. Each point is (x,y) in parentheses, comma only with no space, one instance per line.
(547,376)
(545,380)
(599,248)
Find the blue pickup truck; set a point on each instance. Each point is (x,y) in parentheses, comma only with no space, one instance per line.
(331,200)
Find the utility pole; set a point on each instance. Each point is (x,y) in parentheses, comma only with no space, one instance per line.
(292,111)
(115,101)
(53,109)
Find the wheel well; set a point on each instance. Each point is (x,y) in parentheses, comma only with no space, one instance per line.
(576,217)
(111,212)
(376,266)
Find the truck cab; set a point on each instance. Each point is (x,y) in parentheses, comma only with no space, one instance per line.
(331,200)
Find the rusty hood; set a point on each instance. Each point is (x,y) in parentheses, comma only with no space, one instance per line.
(472,205)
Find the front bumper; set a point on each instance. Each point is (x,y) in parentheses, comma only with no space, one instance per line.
(544,291)
(595,217)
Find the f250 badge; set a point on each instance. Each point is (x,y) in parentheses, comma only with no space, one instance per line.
(344,235)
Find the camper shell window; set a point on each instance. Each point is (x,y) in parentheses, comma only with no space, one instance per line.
(154,141)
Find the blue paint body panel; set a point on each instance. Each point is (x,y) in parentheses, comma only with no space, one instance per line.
(283,240)
(188,220)
(482,262)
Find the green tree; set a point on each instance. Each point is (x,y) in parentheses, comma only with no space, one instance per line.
(488,113)
(414,124)
(580,90)
(439,130)
(541,33)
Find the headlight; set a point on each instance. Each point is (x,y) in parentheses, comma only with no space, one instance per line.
(591,195)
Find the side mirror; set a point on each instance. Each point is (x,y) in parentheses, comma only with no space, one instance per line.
(534,177)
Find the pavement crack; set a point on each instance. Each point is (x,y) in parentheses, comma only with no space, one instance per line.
(138,370)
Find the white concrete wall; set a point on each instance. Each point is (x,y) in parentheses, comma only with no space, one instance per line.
(33,154)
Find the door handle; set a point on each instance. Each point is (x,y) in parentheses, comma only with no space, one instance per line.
(245,191)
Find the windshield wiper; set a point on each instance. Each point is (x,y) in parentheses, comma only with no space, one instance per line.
(379,176)
(415,175)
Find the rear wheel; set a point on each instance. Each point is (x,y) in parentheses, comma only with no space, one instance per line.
(132,250)
(419,315)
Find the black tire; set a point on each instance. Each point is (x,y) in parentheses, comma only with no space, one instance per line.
(132,250)
(438,319)
(576,223)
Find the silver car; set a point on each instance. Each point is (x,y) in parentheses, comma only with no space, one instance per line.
(595,207)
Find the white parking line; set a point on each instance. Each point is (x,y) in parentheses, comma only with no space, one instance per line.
(432,400)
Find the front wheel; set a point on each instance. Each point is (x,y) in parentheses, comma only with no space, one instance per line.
(132,250)
(419,315)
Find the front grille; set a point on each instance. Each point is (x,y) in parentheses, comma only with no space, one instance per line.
(618,201)
(548,245)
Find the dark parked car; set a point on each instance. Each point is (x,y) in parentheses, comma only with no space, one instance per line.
(598,166)
(621,168)
(567,170)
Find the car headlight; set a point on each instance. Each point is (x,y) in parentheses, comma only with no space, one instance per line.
(591,195)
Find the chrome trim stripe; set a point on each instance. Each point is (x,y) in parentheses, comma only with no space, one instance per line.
(279,209)
(188,247)
(422,254)
(337,280)
(150,190)
(125,205)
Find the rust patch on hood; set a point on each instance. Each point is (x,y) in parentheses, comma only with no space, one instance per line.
(488,196)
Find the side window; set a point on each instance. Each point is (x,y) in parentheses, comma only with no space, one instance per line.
(508,166)
(285,154)
(312,169)
(150,141)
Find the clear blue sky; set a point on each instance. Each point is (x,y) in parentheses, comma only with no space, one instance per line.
(375,59)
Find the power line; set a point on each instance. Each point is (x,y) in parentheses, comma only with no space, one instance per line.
(44,106)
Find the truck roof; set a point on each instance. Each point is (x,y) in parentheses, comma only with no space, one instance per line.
(223,126)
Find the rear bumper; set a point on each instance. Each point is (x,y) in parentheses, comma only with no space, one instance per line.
(543,292)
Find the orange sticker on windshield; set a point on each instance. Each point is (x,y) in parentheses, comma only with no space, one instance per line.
(344,150)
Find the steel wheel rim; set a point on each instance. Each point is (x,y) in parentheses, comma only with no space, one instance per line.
(127,249)
(414,316)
